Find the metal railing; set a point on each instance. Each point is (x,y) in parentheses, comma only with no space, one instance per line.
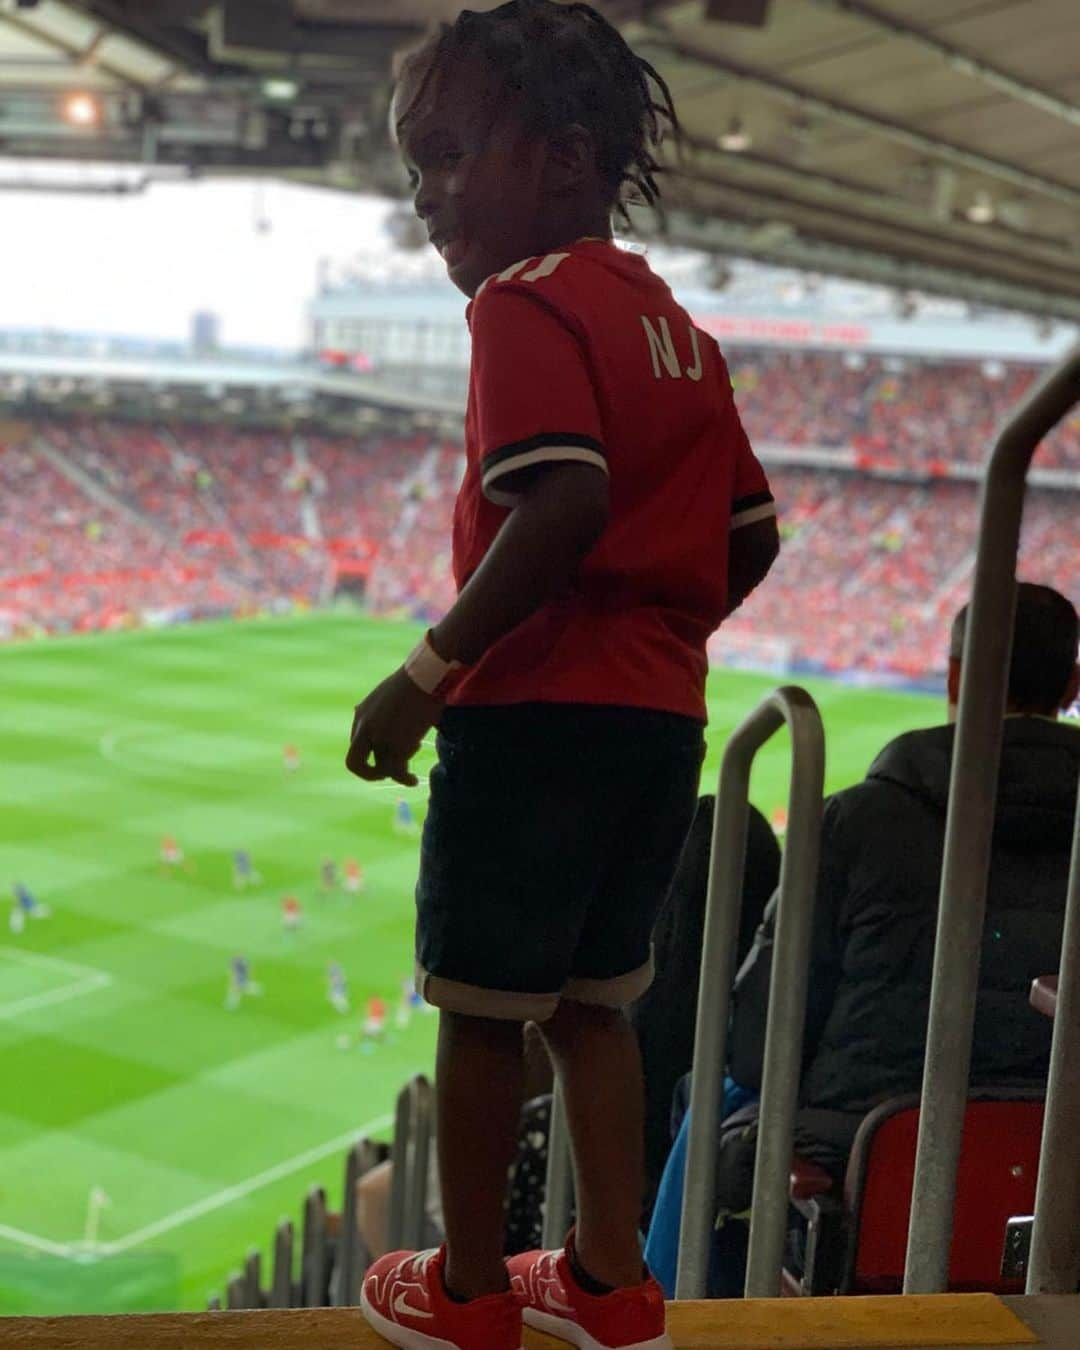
(969,827)
(1054,1264)
(314,1253)
(559,1185)
(348,1268)
(282,1291)
(787,999)
(413,1130)
(254,1295)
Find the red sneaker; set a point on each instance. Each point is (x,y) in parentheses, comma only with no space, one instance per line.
(628,1319)
(404,1298)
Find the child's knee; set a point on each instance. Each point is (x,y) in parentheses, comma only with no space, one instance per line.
(572,1021)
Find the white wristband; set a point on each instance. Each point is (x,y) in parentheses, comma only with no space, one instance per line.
(429,672)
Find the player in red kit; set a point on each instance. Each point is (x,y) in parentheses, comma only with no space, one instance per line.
(354,877)
(611,516)
(291,914)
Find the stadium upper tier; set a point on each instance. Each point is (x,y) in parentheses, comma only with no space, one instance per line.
(844,407)
(880,412)
(106,524)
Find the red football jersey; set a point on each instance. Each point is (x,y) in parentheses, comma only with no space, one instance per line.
(585,355)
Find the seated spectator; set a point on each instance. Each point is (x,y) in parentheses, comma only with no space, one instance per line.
(875,922)
(665,1016)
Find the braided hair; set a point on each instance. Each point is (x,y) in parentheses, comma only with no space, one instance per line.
(567,64)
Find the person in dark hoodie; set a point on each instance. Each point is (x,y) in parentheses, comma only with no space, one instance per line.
(876,914)
(665,1016)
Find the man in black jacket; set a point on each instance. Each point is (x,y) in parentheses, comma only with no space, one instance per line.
(875,921)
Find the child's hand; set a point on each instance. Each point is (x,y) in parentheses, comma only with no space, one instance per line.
(388,727)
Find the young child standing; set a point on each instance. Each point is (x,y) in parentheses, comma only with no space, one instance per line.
(612,514)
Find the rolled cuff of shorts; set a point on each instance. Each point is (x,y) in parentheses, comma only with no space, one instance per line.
(472,1000)
(614,993)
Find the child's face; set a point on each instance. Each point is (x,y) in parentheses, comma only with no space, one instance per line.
(477,177)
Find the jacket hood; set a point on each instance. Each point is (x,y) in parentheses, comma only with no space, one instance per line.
(1040,764)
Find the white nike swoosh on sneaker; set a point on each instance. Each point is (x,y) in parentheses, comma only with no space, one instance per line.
(556,1305)
(402,1306)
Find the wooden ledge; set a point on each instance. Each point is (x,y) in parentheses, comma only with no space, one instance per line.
(942,1322)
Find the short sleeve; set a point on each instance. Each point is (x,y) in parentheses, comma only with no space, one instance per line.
(751,497)
(534,398)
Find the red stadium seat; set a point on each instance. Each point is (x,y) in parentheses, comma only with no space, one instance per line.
(856,1242)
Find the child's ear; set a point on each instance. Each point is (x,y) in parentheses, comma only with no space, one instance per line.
(571,160)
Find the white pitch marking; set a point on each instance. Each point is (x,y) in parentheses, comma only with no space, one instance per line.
(108,745)
(54,996)
(38,1244)
(89,982)
(37,959)
(207,1205)
(242,1188)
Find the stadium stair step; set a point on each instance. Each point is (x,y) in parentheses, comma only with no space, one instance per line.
(943,1322)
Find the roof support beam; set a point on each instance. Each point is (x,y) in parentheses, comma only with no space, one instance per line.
(781,215)
(816,255)
(736,169)
(170,42)
(865,122)
(76,55)
(958,59)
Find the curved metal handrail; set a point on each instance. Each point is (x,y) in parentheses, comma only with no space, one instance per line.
(787,1000)
(970,821)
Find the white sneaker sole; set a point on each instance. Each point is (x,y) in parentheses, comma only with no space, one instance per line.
(405,1337)
(563,1329)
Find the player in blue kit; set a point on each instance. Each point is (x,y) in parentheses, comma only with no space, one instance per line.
(404,820)
(241,985)
(244,873)
(27,906)
(337,988)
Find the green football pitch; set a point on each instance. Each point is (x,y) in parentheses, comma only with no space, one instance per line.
(149,1136)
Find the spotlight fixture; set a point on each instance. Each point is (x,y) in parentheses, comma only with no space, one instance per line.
(82,110)
(982,210)
(280,89)
(736,139)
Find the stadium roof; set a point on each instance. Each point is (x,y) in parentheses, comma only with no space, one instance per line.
(933,145)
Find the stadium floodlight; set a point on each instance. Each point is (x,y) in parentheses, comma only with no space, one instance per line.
(82,110)
(982,210)
(280,89)
(736,140)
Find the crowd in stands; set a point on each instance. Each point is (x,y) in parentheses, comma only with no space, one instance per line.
(103,522)
(69,561)
(868,576)
(894,413)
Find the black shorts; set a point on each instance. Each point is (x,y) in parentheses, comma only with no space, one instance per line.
(552,836)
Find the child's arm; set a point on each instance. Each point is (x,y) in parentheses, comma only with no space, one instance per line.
(752,551)
(560,514)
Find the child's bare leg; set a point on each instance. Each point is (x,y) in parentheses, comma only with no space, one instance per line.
(599,1065)
(478,1084)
